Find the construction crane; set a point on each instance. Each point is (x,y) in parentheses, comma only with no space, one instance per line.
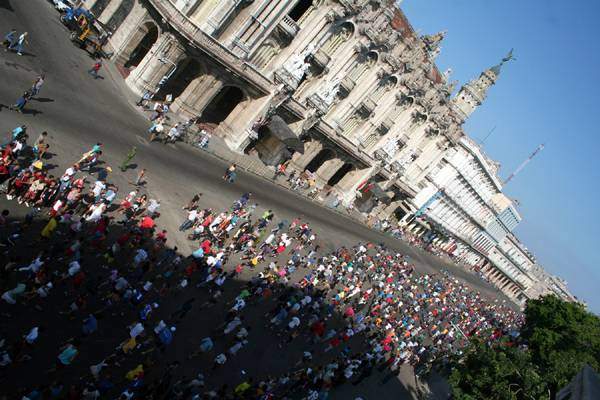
(524,163)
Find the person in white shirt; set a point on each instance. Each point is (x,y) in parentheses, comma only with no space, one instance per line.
(32,336)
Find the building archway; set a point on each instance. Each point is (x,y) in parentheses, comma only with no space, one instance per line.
(187,70)
(320,158)
(222,104)
(340,173)
(144,45)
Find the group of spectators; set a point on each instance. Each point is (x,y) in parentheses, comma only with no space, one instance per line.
(96,304)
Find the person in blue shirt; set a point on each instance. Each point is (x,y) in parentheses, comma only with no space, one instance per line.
(9,39)
(90,325)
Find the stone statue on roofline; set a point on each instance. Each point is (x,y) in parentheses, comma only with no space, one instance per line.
(296,65)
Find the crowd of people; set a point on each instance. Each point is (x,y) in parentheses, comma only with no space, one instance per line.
(95,299)
(96,303)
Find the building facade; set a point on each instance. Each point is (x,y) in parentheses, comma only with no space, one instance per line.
(344,90)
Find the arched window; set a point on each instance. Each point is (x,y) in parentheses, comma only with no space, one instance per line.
(383,86)
(370,140)
(363,62)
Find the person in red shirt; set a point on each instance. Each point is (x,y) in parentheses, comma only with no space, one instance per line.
(95,69)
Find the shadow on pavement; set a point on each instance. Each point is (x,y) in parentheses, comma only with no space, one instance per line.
(6,5)
(43,99)
(195,311)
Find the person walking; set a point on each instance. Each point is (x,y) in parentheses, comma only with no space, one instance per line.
(9,39)
(21,102)
(230,174)
(128,158)
(95,69)
(37,85)
(140,177)
(145,99)
(156,129)
(18,45)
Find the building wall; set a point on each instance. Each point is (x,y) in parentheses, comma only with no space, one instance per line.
(352,79)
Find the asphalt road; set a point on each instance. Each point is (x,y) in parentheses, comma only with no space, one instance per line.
(79,111)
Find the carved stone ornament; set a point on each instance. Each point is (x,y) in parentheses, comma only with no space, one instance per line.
(324,98)
(295,67)
(418,117)
(430,132)
(311,120)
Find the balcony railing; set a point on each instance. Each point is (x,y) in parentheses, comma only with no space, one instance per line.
(367,106)
(208,44)
(347,84)
(289,26)
(320,58)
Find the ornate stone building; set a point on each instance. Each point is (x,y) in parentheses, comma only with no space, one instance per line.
(344,89)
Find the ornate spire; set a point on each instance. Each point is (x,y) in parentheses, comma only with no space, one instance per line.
(475,92)
(497,68)
(432,42)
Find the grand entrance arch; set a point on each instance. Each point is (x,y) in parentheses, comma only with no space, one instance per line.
(320,158)
(344,169)
(224,102)
(137,49)
(187,70)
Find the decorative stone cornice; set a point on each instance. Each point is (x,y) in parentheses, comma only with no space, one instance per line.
(192,33)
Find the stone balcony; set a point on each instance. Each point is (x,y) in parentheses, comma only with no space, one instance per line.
(367,106)
(381,154)
(289,27)
(346,85)
(385,125)
(320,58)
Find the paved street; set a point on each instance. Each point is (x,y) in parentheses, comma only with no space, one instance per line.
(79,111)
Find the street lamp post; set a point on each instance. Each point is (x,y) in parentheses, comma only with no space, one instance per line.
(169,74)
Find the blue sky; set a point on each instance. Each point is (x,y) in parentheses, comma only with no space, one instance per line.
(548,95)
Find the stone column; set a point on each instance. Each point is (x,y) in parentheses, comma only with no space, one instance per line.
(389,209)
(196,96)
(151,70)
(349,184)
(327,170)
(300,161)
(236,127)
(109,11)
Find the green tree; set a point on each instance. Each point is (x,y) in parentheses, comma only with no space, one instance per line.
(557,339)
(501,372)
(562,337)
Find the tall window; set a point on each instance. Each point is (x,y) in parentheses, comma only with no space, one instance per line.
(300,9)
(342,33)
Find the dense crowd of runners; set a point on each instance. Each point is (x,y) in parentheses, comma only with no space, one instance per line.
(96,304)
